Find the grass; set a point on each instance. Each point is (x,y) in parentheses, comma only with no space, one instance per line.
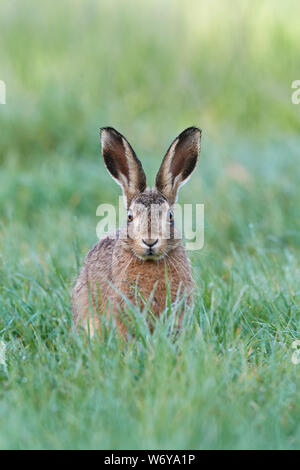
(150,70)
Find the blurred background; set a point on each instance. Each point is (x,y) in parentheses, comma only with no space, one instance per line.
(149,69)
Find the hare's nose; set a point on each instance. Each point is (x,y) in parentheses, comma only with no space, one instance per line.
(150,243)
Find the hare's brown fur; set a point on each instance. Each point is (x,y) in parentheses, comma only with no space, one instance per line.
(108,261)
(118,265)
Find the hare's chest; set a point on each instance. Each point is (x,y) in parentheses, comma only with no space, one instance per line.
(149,278)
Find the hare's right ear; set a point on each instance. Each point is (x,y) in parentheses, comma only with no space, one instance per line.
(122,163)
(178,163)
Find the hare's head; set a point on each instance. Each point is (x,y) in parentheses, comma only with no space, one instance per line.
(150,222)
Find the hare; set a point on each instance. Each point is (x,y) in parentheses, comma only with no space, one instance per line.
(136,256)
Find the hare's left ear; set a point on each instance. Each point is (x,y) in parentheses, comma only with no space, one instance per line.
(122,163)
(178,163)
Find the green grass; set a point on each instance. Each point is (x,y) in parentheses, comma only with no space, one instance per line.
(151,69)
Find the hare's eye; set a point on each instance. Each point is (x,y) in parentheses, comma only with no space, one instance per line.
(170,216)
(129,215)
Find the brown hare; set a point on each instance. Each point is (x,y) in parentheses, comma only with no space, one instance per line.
(136,256)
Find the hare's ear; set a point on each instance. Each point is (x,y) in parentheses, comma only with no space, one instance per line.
(178,163)
(122,163)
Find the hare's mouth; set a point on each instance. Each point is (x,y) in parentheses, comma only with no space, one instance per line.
(150,252)
(150,255)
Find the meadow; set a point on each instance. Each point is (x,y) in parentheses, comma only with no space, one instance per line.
(150,69)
